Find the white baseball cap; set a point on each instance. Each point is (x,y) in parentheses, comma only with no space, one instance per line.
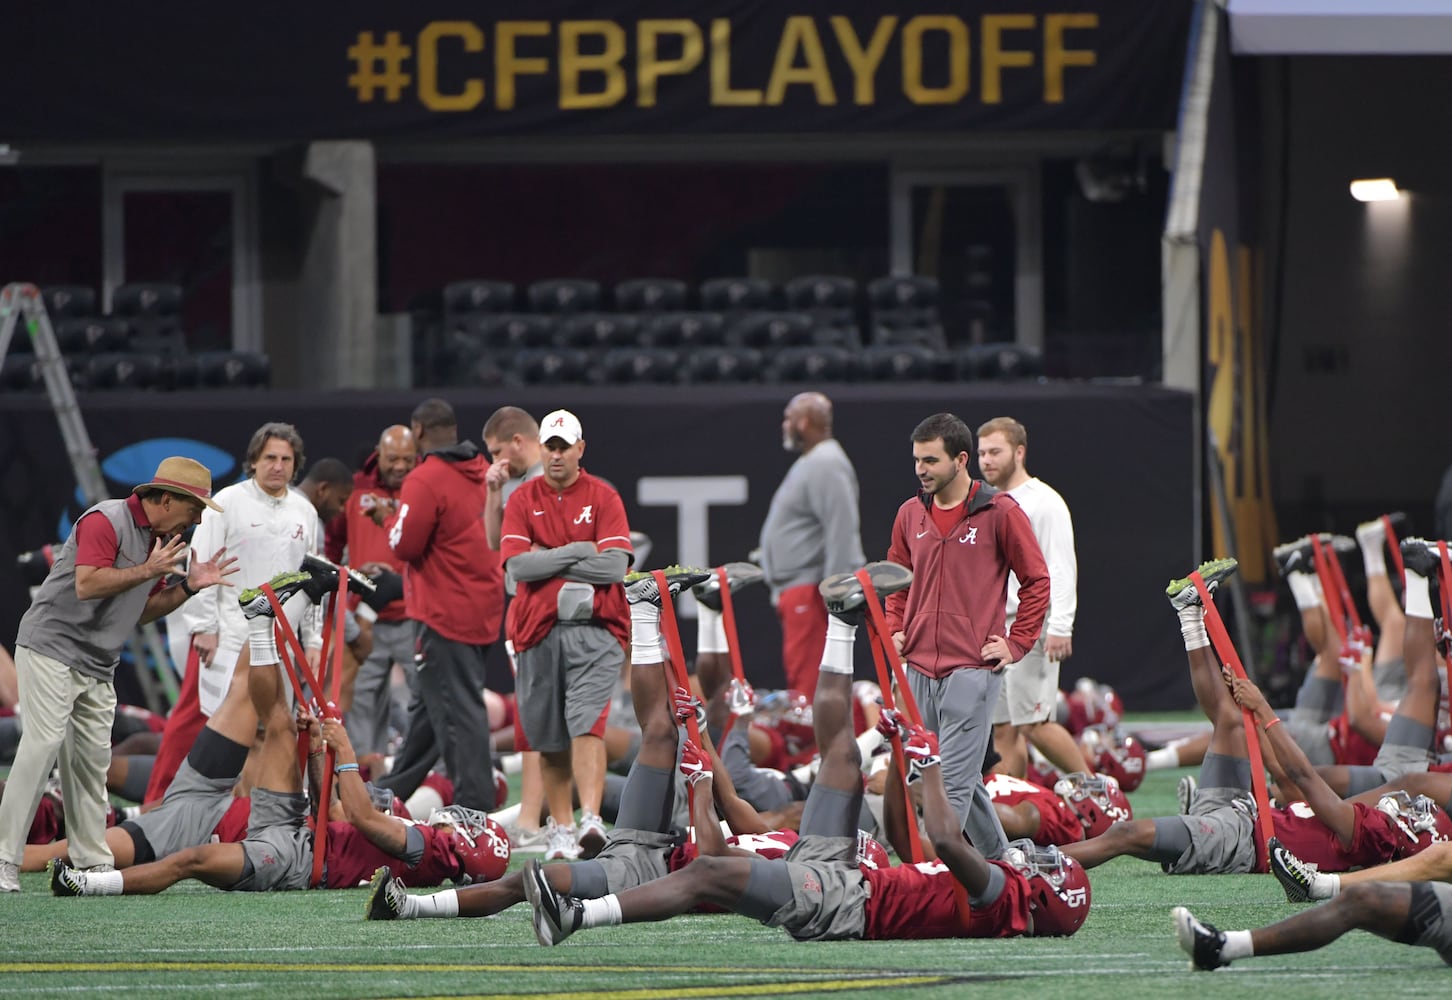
(560,424)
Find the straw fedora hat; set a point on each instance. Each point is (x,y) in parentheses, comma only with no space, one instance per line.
(184,476)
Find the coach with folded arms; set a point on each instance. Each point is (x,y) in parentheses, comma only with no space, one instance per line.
(108,578)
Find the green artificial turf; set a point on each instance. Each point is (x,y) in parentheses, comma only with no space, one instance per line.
(195,941)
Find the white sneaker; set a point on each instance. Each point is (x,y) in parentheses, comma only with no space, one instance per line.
(528,841)
(9,877)
(560,842)
(592,834)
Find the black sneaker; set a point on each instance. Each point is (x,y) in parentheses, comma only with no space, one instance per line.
(255,603)
(1294,875)
(1295,557)
(556,917)
(1182,593)
(640,586)
(843,592)
(65,880)
(738,575)
(385,896)
(1201,942)
(325,579)
(1421,557)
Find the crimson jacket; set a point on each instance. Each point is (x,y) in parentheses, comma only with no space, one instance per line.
(960,582)
(364,540)
(451,581)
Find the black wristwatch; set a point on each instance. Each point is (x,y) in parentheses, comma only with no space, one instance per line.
(188,590)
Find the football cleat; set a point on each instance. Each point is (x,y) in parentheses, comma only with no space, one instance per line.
(255,603)
(641,586)
(1202,942)
(325,579)
(1421,557)
(1340,544)
(1295,876)
(843,592)
(556,917)
(738,575)
(1183,593)
(1294,557)
(65,880)
(386,897)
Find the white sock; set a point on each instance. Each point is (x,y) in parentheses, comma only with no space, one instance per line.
(424,801)
(513,762)
(1164,757)
(261,641)
(1237,945)
(103,883)
(1325,885)
(837,656)
(1373,553)
(710,631)
(507,815)
(1192,627)
(435,904)
(645,634)
(601,912)
(1306,589)
(1418,596)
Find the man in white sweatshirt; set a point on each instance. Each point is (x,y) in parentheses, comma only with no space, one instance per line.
(1027,697)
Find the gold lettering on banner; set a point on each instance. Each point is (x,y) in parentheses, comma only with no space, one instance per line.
(722,93)
(428,66)
(995,57)
(650,67)
(800,35)
(573,63)
(1056,57)
(509,64)
(912,59)
(864,63)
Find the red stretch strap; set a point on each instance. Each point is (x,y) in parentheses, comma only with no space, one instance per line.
(289,650)
(878,631)
(320,826)
(1329,590)
(1225,649)
(1395,544)
(671,633)
(728,624)
(1348,603)
(340,614)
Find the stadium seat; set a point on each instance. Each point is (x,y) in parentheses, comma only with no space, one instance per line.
(507,331)
(908,326)
(128,370)
(892,293)
(831,302)
(598,330)
(685,330)
(476,296)
(736,294)
(638,364)
(178,372)
(233,369)
(650,295)
(1000,361)
(93,335)
(552,364)
(19,372)
(724,364)
(68,301)
(811,364)
(152,313)
(770,330)
(904,363)
(904,310)
(564,295)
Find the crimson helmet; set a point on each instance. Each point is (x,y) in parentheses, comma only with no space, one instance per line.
(1095,798)
(1093,704)
(871,854)
(1117,754)
(480,842)
(1058,887)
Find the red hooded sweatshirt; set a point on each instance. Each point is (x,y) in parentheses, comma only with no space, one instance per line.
(452,581)
(960,581)
(365,541)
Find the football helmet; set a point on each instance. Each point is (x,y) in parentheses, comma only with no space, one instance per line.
(1092,704)
(1058,887)
(1116,753)
(1096,799)
(871,854)
(480,842)
(1413,815)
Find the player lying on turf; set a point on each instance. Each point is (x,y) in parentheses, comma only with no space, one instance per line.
(1304,883)
(818,891)
(642,846)
(1217,835)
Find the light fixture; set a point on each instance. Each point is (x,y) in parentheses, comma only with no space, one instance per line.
(1380,189)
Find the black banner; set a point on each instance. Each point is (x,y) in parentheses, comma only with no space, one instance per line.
(170,70)
(697,470)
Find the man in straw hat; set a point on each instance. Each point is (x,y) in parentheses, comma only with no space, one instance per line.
(108,577)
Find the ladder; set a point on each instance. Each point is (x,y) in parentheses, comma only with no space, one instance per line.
(24,302)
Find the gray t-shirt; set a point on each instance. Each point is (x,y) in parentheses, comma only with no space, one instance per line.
(813,527)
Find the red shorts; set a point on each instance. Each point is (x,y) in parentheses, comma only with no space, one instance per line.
(803,616)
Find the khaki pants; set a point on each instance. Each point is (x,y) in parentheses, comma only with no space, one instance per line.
(68,715)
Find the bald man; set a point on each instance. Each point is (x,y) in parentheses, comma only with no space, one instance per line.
(358,538)
(812,531)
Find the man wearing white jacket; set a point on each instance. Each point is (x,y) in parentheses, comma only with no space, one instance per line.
(1027,696)
(269,528)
